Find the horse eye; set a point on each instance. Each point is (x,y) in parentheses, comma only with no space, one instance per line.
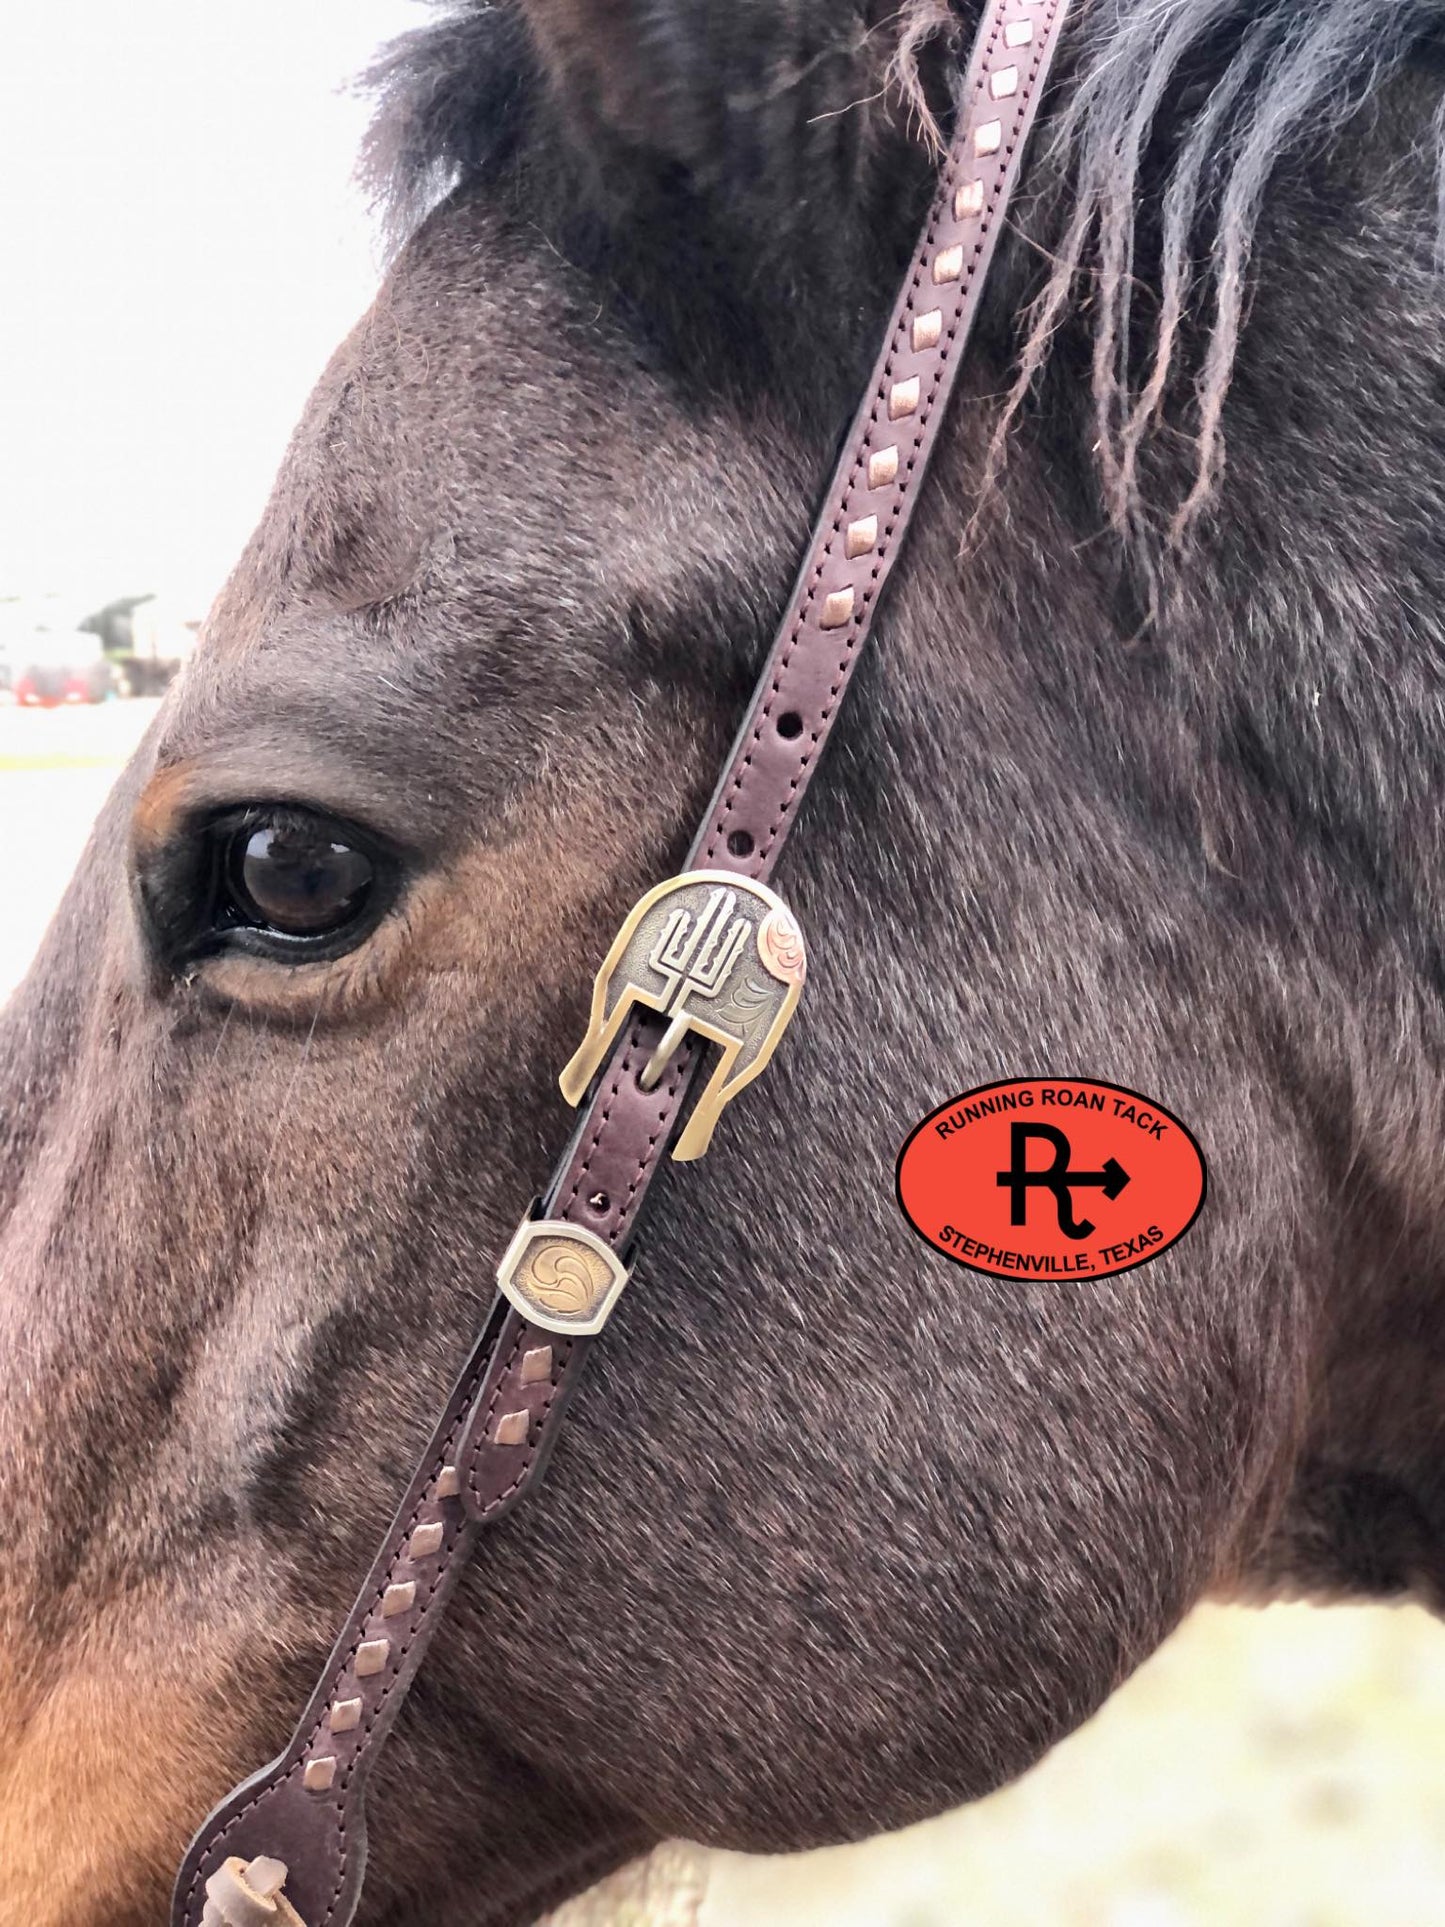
(296,876)
(275,880)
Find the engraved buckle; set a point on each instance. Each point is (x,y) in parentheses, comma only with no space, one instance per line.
(561,1277)
(714,954)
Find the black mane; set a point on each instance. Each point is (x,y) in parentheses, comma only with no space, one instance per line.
(453,99)
(1176,116)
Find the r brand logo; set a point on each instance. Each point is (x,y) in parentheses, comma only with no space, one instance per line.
(1059,1177)
(1051,1178)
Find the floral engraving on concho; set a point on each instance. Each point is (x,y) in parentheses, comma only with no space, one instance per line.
(561,1276)
(565,1277)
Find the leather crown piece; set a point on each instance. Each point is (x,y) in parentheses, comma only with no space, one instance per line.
(712,958)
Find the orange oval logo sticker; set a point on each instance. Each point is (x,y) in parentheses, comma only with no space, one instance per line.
(1051,1178)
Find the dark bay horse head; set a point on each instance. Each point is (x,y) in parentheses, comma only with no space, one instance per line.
(1141,781)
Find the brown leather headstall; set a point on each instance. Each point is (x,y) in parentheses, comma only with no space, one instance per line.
(712,958)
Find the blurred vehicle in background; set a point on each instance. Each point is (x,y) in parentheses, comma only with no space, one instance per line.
(65,668)
(48,658)
(147,637)
(63,649)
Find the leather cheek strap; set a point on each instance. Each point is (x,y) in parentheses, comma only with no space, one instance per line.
(493,1440)
(307,1808)
(600,1184)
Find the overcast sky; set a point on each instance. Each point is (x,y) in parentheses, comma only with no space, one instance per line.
(181,248)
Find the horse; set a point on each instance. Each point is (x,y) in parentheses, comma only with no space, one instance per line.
(1139,782)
